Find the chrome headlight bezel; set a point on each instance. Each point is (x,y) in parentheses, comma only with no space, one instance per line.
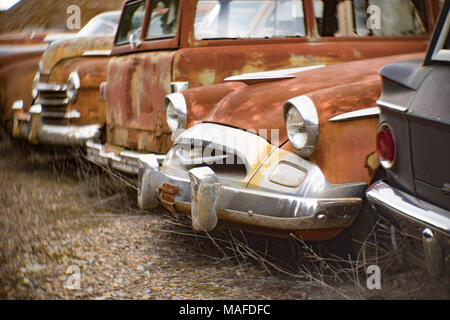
(34,87)
(73,85)
(302,136)
(176,111)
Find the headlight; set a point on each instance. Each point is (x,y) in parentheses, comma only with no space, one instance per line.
(34,91)
(176,111)
(73,85)
(302,125)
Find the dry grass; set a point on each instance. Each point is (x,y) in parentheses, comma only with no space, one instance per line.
(58,210)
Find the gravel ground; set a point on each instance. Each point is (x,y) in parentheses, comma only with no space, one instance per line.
(71,231)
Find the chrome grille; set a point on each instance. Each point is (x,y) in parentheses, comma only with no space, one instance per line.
(54,101)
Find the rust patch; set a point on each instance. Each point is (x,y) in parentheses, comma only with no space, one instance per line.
(318,235)
(372,163)
(167,196)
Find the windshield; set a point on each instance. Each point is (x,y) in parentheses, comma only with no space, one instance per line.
(102,25)
(216,19)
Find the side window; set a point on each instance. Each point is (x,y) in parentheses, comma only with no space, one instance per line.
(131,24)
(163,20)
(231,19)
(390,18)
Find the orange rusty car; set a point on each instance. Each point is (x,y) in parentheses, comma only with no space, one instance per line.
(66,108)
(287,155)
(188,44)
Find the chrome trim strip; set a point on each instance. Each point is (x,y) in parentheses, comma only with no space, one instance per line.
(67,135)
(399,202)
(363,113)
(73,114)
(17,105)
(90,53)
(272,75)
(391,106)
(126,161)
(41,86)
(52,102)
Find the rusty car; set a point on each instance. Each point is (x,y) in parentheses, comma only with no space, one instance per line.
(413,145)
(66,109)
(189,44)
(284,155)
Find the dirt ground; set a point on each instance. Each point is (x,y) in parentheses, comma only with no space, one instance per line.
(71,231)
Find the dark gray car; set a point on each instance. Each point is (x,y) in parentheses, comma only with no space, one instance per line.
(413,145)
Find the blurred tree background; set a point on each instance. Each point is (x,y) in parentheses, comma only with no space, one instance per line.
(51,14)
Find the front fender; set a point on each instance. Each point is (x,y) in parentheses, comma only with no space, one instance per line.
(346,150)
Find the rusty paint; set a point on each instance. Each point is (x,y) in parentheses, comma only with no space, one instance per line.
(71,48)
(137,85)
(201,101)
(318,235)
(372,163)
(167,194)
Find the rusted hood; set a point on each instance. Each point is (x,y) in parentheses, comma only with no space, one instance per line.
(260,106)
(72,48)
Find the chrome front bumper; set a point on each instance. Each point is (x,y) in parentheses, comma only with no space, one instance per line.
(436,221)
(125,161)
(208,201)
(30,126)
(313,205)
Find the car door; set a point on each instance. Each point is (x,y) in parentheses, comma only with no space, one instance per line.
(139,75)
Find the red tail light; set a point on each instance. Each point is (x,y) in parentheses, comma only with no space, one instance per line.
(386,146)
